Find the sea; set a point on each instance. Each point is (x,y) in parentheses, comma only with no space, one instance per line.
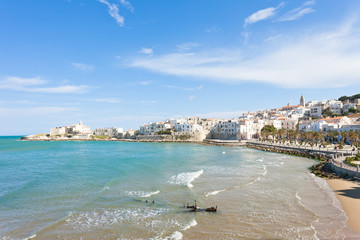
(129,190)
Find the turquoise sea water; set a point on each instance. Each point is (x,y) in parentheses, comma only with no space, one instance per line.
(105,190)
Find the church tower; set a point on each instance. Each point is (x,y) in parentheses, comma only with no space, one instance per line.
(302,101)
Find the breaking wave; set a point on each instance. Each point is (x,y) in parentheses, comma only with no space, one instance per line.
(192,224)
(215,192)
(185,178)
(142,194)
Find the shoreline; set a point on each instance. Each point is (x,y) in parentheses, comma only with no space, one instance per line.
(348,194)
(346,191)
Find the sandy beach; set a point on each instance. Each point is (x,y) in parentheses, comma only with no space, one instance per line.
(349,195)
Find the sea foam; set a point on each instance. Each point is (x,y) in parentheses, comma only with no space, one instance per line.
(185,178)
(176,236)
(31,237)
(142,194)
(101,219)
(191,224)
(215,192)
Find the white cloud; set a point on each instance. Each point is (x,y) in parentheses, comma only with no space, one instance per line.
(262,15)
(273,38)
(148,51)
(187,46)
(127,5)
(114,12)
(145,83)
(319,60)
(107,100)
(83,67)
(32,85)
(146,101)
(298,12)
(213,29)
(185,88)
(190,98)
(138,119)
(36,111)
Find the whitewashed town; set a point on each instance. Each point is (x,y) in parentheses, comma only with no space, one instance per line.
(341,115)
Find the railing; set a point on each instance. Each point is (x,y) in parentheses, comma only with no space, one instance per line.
(338,156)
(344,152)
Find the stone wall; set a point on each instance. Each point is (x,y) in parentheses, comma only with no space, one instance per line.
(291,151)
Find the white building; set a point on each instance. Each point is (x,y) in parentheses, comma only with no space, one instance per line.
(335,106)
(58,131)
(315,111)
(108,132)
(74,129)
(229,127)
(325,124)
(289,124)
(187,127)
(347,107)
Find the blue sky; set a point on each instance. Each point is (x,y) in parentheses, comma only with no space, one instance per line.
(124,63)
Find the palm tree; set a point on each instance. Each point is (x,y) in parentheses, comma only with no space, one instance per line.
(345,136)
(332,135)
(291,135)
(281,133)
(302,136)
(317,137)
(353,137)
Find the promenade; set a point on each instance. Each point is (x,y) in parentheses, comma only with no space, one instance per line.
(337,156)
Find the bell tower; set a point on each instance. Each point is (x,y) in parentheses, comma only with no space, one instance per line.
(302,101)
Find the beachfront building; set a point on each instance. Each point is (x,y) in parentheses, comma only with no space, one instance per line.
(109,132)
(350,127)
(155,127)
(188,127)
(208,123)
(305,126)
(288,123)
(129,134)
(58,131)
(74,129)
(276,123)
(326,124)
(247,129)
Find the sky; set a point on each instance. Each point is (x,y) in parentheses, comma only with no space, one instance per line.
(124,63)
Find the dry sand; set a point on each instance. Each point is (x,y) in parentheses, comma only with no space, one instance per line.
(349,195)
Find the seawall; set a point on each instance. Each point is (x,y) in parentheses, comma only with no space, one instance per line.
(331,163)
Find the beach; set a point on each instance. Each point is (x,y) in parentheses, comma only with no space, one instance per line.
(349,195)
(111,190)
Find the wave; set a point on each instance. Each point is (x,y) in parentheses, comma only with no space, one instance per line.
(265,171)
(100,219)
(191,224)
(142,194)
(104,189)
(175,236)
(185,178)
(31,237)
(240,186)
(216,192)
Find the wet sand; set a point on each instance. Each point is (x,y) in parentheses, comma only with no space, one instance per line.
(349,195)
